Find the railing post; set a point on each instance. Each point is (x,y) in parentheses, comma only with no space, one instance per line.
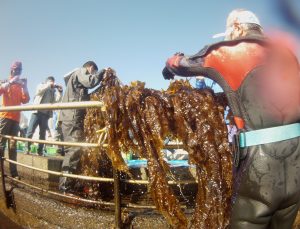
(3,176)
(117,196)
(7,194)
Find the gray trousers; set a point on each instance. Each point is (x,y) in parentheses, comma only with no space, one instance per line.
(267,186)
(72,132)
(9,127)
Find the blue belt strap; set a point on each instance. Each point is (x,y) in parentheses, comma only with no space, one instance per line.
(269,135)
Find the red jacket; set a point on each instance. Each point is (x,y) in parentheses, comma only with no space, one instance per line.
(14,95)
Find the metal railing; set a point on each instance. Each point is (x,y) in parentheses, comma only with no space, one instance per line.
(91,178)
(80,144)
(54,106)
(101,143)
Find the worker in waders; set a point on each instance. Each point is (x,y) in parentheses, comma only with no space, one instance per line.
(261,81)
(77,84)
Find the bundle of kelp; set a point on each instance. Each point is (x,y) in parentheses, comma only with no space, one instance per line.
(139,119)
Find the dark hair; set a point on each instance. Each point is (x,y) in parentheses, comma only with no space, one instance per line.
(50,78)
(90,63)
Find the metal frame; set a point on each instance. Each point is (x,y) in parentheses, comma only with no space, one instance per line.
(101,143)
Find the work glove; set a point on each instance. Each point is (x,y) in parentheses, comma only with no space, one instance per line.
(102,72)
(5,85)
(168,75)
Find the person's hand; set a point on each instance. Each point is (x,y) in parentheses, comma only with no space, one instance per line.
(5,85)
(58,87)
(15,79)
(167,74)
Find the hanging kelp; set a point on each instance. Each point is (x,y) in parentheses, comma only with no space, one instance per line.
(138,120)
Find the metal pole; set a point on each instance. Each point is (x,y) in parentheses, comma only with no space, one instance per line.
(45,191)
(54,106)
(7,194)
(80,144)
(3,181)
(90,178)
(117,196)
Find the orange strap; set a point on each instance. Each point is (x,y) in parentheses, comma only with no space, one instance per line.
(239,122)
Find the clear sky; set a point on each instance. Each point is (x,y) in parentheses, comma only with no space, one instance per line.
(135,37)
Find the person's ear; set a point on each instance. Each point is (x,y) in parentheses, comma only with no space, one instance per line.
(240,30)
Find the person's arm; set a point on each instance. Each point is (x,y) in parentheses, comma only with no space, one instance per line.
(58,94)
(69,74)
(90,80)
(24,93)
(183,66)
(3,87)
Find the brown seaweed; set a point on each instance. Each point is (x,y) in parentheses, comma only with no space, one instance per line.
(139,119)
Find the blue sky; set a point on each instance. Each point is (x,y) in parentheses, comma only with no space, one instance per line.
(135,37)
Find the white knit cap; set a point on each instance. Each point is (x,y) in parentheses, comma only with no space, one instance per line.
(239,16)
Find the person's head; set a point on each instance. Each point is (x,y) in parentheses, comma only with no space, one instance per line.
(50,79)
(16,68)
(241,23)
(91,67)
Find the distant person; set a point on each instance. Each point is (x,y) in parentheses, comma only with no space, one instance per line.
(47,92)
(200,82)
(14,92)
(77,84)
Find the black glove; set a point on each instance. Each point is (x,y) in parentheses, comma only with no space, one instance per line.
(167,74)
(101,72)
(58,87)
